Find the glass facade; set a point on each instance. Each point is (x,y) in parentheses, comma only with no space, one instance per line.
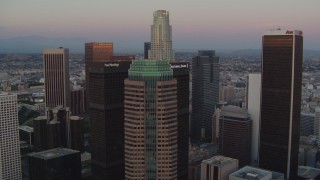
(280,103)
(205,95)
(106,111)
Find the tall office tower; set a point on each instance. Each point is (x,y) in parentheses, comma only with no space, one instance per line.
(96,52)
(106,111)
(235,134)
(253,96)
(280,101)
(181,74)
(151,135)
(161,37)
(78,101)
(10,163)
(56,77)
(147,48)
(205,94)
(218,168)
(59,163)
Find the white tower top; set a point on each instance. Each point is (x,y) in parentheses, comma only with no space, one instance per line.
(161,37)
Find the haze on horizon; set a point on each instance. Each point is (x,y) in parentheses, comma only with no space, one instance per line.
(33,25)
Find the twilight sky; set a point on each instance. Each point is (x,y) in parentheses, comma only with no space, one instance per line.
(196,24)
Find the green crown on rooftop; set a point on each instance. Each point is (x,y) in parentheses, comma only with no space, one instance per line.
(150,68)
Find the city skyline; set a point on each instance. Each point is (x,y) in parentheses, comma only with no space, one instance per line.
(206,24)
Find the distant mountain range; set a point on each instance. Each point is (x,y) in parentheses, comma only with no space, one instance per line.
(36,44)
(257,52)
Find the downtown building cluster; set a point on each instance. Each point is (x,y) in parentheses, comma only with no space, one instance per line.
(140,118)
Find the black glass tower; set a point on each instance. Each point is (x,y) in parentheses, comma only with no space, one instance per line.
(181,74)
(205,95)
(280,101)
(106,111)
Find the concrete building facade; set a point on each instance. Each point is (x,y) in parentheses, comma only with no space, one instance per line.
(10,162)
(151,137)
(218,168)
(161,37)
(253,98)
(56,77)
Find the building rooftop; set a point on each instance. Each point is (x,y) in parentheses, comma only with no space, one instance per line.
(308,172)
(40,118)
(279,31)
(75,118)
(26,128)
(53,153)
(219,160)
(253,173)
(234,111)
(2,93)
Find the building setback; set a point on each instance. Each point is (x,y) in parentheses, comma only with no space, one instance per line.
(56,77)
(280,101)
(106,111)
(10,163)
(151,135)
(205,95)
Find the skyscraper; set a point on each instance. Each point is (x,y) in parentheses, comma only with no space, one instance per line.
(106,111)
(235,134)
(280,101)
(10,163)
(56,77)
(205,94)
(147,47)
(181,74)
(151,121)
(96,52)
(161,37)
(253,97)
